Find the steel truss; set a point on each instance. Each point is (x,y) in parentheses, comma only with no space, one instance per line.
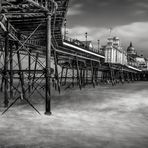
(26,63)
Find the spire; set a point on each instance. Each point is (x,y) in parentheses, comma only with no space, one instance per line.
(131,44)
(110,31)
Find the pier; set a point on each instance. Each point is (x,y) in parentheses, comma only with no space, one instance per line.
(31,35)
(58,91)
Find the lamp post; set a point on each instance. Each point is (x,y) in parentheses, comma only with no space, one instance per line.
(98,45)
(86,34)
(65,25)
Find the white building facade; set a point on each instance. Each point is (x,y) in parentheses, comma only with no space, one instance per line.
(114,53)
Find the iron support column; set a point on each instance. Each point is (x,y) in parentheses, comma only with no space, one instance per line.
(48,66)
(29,74)
(11,70)
(61,76)
(66,76)
(6,70)
(73,76)
(86,76)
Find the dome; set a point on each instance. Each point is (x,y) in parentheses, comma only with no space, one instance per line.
(110,39)
(116,38)
(131,49)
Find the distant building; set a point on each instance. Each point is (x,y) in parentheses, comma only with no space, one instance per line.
(136,60)
(116,41)
(114,53)
(88,44)
(132,55)
(146,61)
(131,50)
(142,63)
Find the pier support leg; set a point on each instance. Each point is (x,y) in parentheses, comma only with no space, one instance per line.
(86,76)
(48,66)
(81,76)
(78,74)
(11,70)
(96,77)
(66,76)
(73,76)
(35,67)
(21,75)
(56,71)
(29,74)
(92,72)
(6,101)
(61,76)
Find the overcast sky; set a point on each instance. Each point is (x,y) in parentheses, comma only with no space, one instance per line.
(127,18)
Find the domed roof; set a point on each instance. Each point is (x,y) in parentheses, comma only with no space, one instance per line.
(110,39)
(116,38)
(131,48)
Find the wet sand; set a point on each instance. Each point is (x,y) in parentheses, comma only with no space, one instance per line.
(101,117)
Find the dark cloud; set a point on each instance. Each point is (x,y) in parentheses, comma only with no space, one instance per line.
(109,12)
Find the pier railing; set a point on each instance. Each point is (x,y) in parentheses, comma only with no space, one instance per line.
(82,45)
(133,64)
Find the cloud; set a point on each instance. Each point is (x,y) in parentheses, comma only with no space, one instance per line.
(103,4)
(94,33)
(130,30)
(141,4)
(136,32)
(139,12)
(75,10)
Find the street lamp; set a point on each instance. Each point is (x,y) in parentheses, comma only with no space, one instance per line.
(65,25)
(86,34)
(98,45)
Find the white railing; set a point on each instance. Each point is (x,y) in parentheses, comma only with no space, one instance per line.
(82,45)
